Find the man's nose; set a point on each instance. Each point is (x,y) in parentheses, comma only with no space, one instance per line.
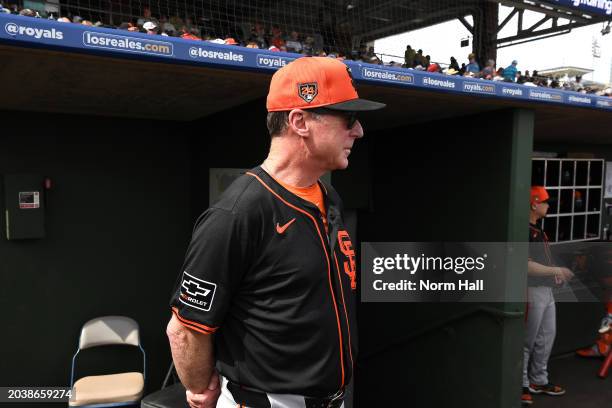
(357,130)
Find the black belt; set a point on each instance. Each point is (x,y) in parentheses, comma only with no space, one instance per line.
(257,399)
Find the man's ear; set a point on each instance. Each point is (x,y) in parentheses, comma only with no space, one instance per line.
(298,123)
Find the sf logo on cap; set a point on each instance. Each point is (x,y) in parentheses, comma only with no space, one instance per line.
(308,91)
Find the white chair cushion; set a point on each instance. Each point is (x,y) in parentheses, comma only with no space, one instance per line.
(98,389)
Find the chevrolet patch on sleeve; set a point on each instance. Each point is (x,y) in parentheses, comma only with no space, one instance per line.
(196,292)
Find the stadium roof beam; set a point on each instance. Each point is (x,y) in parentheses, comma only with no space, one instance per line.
(551,12)
(532,33)
(547,9)
(467,25)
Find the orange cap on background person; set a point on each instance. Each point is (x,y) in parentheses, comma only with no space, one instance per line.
(313,82)
(538,195)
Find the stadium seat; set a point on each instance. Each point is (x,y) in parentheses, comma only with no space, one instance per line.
(109,390)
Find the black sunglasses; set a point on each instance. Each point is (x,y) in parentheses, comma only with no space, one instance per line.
(350,116)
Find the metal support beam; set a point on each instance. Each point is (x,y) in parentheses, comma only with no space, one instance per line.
(534,32)
(545,10)
(523,35)
(511,43)
(539,23)
(508,18)
(466,24)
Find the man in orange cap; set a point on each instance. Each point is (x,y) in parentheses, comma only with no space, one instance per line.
(540,330)
(269,279)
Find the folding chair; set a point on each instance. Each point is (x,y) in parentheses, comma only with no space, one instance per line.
(110,390)
(171,395)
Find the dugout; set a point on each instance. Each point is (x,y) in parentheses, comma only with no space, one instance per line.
(128,145)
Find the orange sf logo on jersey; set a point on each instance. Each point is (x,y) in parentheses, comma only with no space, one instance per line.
(346,246)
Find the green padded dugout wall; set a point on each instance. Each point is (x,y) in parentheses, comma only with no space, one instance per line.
(462,179)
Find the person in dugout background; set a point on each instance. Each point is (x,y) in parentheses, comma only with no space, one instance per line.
(600,264)
(540,331)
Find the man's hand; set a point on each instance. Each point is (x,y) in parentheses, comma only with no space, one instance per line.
(194,360)
(207,399)
(564,274)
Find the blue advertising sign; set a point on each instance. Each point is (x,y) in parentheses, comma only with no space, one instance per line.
(601,7)
(27,31)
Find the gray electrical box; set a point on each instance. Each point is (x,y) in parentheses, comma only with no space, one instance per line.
(24,205)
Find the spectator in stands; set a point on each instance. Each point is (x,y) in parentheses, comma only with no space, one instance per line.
(577,85)
(252,44)
(472,68)
(4,10)
(499,75)
(176,21)
(529,81)
(419,59)
(293,43)
(167,27)
(231,41)
(308,48)
(77,19)
(27,12)
(189,23)
(370,54)
(169,33)
(454,64)
(409,56)
(555,83)
(63,20)
(192,34)
(510,72)
(258,35)
(151,28)
(434,67)
(427,61)
(89,23)
(488,72)
(462,69)
(277,37)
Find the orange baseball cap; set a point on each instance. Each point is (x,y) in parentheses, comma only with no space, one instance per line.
(313,82)
(538,194)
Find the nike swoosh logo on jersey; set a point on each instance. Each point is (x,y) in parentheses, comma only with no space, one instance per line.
(281,230)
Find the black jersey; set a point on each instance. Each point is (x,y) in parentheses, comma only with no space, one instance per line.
(539,251)
(279,292)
